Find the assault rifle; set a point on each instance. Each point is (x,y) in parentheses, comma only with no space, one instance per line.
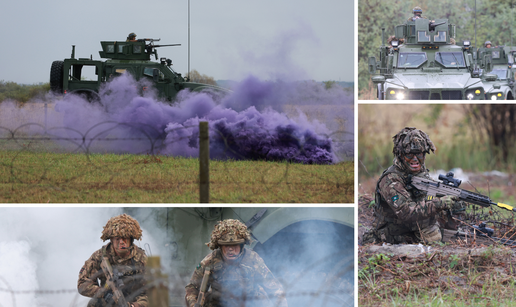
(481,234)
(202,290)
(450,186)
(113,281)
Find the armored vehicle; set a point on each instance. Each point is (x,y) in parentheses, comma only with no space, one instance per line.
(68,76)
(422,62)
(499,83)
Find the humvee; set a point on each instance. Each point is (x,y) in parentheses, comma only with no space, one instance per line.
(422,62)
(68,76)
(499,83)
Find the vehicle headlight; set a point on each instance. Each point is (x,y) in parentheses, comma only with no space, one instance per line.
(493,97)
(396,94)
(470,96)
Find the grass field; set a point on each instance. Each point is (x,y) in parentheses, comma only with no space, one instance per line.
(42,177)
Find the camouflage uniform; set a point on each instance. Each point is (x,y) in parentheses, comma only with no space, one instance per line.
(244,282)
(404,214)
(132,266)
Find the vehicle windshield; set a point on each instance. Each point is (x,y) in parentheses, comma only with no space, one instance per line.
(411,60)
(500,73)
(450,59)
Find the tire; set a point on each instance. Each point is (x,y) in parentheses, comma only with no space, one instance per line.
(56,77)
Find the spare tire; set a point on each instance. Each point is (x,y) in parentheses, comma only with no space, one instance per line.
(56,76)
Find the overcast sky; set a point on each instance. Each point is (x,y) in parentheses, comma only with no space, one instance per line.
(230,39)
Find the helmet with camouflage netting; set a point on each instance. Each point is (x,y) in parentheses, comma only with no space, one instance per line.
(409,140)
(229,232)
(417,9)
(123,226)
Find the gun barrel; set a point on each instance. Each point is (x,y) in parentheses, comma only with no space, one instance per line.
(155,46)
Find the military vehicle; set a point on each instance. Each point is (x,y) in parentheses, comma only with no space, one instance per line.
(68,76)
(499,83)
(422,62)
(309,250)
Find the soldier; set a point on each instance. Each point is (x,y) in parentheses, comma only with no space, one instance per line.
(126,258)
(404,214)
(131,37)
(417,14)
(238,277)
(488,44)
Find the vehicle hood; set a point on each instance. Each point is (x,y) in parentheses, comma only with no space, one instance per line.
(435,80)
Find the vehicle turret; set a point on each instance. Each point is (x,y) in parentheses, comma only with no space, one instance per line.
(427,32)
(139,50)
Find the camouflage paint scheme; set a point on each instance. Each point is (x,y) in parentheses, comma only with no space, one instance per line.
(132,266)
(248,278)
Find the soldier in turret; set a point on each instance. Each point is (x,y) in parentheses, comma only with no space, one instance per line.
(488,44)
(126,258)
(418,13)
(404,214)
(238,276)
(131,37)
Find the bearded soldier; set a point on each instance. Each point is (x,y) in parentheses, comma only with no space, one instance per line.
(127,261)
(404,214)
(237,276)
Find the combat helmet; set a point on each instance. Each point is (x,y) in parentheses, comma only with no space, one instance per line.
(123,226)
(409,140)
(487,43)
(417,9)
(229,232)
(131,36)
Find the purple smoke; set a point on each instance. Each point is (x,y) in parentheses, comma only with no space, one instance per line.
(246,124)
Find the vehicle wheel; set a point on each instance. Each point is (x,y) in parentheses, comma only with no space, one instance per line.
(380,92)
(56,77)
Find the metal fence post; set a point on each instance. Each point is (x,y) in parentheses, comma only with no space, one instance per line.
(204,163)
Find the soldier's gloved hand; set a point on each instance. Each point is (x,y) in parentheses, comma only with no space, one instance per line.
(447,202)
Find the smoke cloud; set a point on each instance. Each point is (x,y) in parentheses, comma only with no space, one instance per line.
(263,120)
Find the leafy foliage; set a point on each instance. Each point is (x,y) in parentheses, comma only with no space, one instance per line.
(21,93)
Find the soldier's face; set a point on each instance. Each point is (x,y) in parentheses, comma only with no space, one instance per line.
(414,161)
(230,252)
(121,245)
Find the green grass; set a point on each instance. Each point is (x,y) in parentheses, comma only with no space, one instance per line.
(41,177)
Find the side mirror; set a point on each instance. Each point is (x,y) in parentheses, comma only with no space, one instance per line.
(372,65)
(378,79)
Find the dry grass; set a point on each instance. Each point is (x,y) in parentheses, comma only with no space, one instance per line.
(77,178)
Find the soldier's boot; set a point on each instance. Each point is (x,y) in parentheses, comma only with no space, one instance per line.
(430,234)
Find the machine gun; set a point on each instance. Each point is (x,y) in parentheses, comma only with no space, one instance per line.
(150,47)
(450,186)
(481,234)
(113,281)
(432,25)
